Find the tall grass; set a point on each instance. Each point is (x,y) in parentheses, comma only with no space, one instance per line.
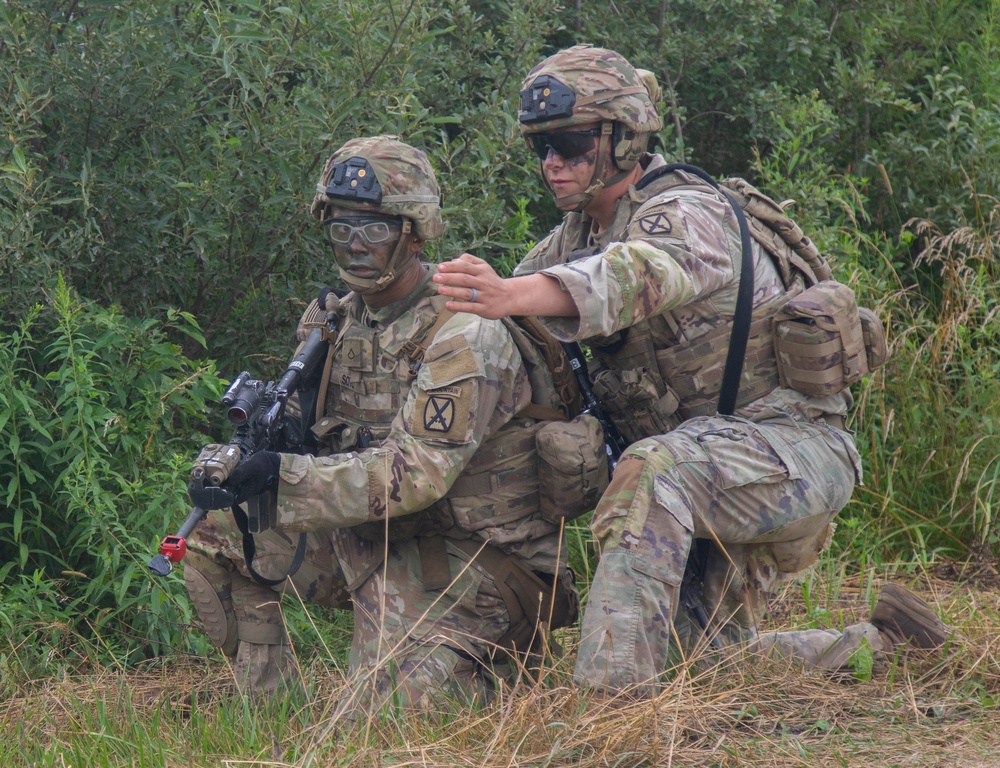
(930,423)
(740,711)
(96,412)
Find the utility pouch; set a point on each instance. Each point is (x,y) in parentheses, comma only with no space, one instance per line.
(876,348)
(573,467)
(635,402)
(819,342)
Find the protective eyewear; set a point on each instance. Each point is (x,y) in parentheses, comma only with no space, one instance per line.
(567,145)
(373,231)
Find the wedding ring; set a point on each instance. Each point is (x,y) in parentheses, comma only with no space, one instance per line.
(475,295)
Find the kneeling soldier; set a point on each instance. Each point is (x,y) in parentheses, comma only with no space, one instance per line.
(420,505)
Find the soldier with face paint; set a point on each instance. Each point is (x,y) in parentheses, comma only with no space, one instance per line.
(645,268)
(420,505)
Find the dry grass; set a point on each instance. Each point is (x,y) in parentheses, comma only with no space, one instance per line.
(918,711)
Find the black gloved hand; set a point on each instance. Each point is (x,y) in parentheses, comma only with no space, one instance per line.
(254,475)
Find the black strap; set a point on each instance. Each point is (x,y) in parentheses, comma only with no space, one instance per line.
(741,319)
(250,551)
(744,294)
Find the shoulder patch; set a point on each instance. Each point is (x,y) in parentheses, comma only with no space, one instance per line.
(659,220)
(442,414)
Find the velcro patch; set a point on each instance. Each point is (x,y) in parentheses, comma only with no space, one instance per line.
(453,366)
(659,221)
(441,413)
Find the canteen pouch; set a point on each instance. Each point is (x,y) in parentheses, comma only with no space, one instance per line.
(573,467)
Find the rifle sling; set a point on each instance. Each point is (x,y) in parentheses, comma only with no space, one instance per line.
(250,551)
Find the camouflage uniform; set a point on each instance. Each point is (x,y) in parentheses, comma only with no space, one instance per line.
(761,487)
(448,445)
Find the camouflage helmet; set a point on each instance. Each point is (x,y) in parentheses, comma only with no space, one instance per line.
(584,84)
(381,174)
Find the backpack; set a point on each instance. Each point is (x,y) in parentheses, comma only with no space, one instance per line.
(823,340)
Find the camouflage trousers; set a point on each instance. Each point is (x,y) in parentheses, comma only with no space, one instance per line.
(760,496)
(412,647)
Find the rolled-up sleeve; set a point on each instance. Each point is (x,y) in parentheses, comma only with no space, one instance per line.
(677,250)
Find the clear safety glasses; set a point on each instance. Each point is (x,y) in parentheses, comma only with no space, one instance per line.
(372,230)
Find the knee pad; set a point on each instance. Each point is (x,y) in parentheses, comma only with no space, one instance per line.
(210,588)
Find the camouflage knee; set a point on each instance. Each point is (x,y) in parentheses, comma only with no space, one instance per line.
(258,612)
(210,587)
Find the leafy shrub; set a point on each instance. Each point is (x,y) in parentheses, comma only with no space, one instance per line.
(94,409)
(163,155)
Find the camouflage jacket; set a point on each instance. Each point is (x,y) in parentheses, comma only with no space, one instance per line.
(666,272)
(446,440)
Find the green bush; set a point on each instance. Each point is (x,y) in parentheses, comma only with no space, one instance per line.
(96,415)
(163,155)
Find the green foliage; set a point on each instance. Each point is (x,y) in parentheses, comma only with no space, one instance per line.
(94,409)
(928,424)
(164,154)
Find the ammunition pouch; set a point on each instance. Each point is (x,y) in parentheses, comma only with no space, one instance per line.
(573,467)
(640,404)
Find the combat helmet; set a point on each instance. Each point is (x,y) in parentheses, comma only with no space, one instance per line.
(583,85)
(382,175)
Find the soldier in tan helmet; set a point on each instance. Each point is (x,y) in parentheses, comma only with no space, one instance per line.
(423,489)
(646,269)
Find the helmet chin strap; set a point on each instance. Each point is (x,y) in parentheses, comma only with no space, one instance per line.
(369,285)
(580,200)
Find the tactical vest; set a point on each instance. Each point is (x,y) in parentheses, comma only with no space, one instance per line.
(649,380)
(370,375)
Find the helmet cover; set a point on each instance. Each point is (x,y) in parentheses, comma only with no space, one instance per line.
(382,175)
(583,85)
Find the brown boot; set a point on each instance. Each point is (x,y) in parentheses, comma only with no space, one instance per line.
(903,618)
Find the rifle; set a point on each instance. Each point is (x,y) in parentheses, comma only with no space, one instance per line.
(614,442)
(256,409)
(615,445)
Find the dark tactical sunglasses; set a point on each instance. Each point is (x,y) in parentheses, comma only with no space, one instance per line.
(567,145)
(373,230)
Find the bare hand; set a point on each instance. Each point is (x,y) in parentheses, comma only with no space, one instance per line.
(474,286)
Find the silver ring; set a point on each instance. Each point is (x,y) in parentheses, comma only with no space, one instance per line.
(475,296)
